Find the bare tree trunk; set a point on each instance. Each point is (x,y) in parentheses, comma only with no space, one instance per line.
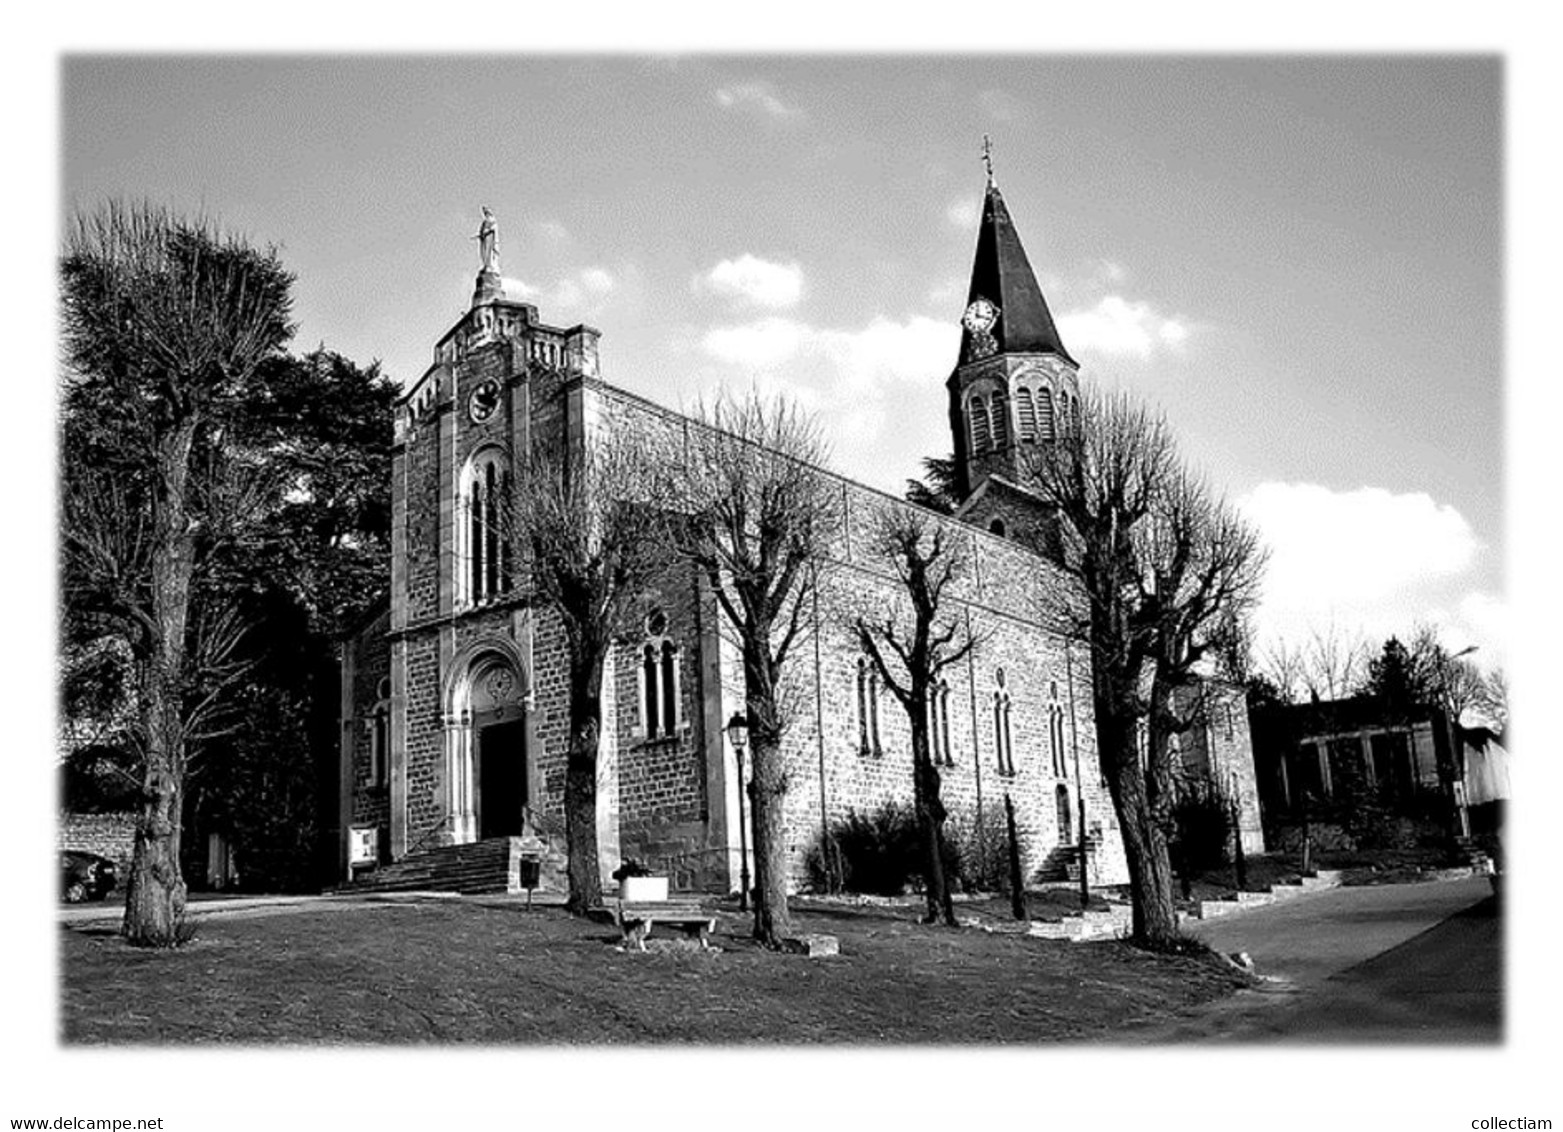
(1155,923)
(155,896)
(580,783)
(1017,885)
(767,795)
(930,817)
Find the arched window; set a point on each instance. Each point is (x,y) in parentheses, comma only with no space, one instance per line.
(669,683)
(996,527)
(1045,412)
(862,706)
(981,435)
(1055,733)
(873,711)
(1000,422)
(943,697)
(939,725)
(1065,824)
(658,676)
(1028,415)
(1003,751)
(380,736)
(483,536)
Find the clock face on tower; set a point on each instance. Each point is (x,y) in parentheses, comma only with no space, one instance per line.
(980,316)
(483,401)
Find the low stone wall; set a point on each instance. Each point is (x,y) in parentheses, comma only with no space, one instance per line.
(108,835)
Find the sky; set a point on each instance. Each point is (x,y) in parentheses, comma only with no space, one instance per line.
(1299,260)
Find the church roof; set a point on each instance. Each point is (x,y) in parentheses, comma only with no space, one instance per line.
(1002,274)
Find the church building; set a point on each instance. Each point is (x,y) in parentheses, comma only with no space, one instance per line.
(454,698)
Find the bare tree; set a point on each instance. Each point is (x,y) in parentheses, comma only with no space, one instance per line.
(1492,699)
(1162,567)
(929,556)
(164,321)
(1335,663)
(757,513)
(1203,565)
(596,546)
(1330,664)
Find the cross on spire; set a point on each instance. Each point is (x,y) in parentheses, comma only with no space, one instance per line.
(987,156)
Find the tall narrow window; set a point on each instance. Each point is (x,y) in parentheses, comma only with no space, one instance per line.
(873,711)
(977,410)
(1000,422)
(652,701)
(658,676)
(934,752)
(669,684)
(862,705)
(942,698)
(1027,412)
(380,736)
(1065,824)
(1045,412)
(483,545)
(1055,733)
(1003,752)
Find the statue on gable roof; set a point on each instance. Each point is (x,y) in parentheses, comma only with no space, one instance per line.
(488,241)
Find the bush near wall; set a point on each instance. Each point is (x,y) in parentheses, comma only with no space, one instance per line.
(880,853)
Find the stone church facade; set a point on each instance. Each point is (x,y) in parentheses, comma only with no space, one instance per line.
(454,699)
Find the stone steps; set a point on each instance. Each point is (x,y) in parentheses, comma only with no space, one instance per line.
(1080,927)
(480,868)
(1211,909)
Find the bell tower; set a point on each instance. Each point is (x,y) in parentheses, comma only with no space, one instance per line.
(1014,385)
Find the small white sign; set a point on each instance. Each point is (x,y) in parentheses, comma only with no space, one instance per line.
(363,845)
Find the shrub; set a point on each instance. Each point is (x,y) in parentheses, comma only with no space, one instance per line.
(981,850)
(879,853)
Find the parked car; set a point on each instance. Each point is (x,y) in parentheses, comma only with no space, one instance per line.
(86,876)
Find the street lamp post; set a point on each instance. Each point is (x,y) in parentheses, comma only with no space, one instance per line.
(738,736)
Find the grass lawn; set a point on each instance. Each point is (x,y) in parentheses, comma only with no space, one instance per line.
(488,971)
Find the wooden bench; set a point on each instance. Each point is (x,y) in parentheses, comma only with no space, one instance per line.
(636,917)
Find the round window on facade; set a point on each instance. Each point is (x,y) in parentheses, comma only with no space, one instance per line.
(656,623)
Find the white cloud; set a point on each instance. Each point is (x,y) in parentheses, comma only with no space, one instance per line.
(1367,558)
(1120,326)
(755,96)
(762,344)
(754,282)
(964,213)
(886,351)
(585,286)
(597,280)
(865,360)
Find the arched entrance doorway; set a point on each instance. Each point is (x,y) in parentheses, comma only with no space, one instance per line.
(490,753)
(500,752)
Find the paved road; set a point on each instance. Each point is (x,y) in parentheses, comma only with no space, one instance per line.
(1387,963)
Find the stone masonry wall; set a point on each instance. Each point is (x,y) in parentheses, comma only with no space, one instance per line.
(1005,593)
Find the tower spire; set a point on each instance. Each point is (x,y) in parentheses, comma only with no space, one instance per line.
(987,157)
